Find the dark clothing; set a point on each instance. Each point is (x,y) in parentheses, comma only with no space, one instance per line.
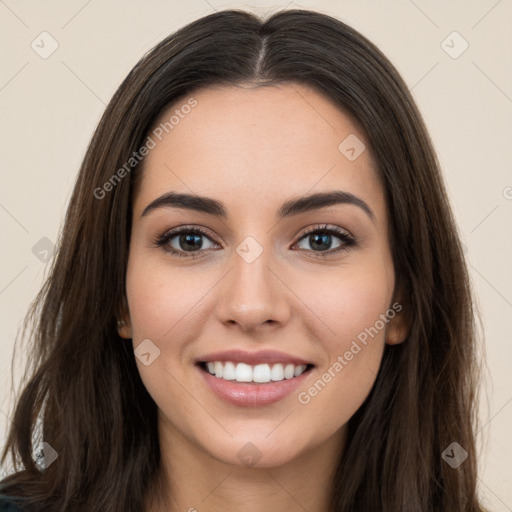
(7,505)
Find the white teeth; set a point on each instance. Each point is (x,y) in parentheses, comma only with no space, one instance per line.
(229,371)
(243,372)
(289,371)
(261,373)
(218,368)
(277,372)
(298,371)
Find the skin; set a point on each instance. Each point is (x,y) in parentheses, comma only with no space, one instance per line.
(253,149)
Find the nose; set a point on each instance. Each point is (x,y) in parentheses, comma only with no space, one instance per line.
(253,296)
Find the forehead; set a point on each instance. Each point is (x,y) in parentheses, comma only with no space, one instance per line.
(269,142)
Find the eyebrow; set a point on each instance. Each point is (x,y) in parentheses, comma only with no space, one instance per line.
(288,209)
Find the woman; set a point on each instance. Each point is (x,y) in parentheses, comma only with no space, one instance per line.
(260,298)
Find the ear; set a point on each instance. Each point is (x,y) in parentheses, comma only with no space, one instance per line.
(399,323)
(124,326)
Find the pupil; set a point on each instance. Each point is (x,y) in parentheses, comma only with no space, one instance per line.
(319,239)
(189,240)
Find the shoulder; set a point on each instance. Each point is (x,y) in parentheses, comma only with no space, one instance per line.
(6,505)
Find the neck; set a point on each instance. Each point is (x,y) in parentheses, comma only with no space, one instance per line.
(191,480)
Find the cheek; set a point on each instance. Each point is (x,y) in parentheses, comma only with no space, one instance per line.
(351,306)
(348,301)
(159,298)
(159,308)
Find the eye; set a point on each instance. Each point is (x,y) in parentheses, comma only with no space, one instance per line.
(185,239)
(321,238)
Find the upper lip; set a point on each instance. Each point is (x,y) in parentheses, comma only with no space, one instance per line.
(253,358)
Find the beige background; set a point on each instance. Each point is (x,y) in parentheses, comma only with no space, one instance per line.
(51,106)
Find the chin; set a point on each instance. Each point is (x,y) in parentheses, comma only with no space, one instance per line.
(255,453)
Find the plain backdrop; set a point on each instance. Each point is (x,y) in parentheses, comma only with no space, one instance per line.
(51,102)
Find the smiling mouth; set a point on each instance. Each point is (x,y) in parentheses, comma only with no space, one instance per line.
(254,374)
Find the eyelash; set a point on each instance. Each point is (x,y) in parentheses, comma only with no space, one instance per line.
(347,239)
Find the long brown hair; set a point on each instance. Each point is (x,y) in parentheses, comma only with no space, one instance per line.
(83,394)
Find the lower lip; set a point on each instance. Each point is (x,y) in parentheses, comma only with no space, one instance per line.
(252,395)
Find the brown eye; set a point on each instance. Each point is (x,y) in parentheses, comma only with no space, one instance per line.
(181,241)
(328,240)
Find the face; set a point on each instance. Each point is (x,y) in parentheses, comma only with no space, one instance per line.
(262,278)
